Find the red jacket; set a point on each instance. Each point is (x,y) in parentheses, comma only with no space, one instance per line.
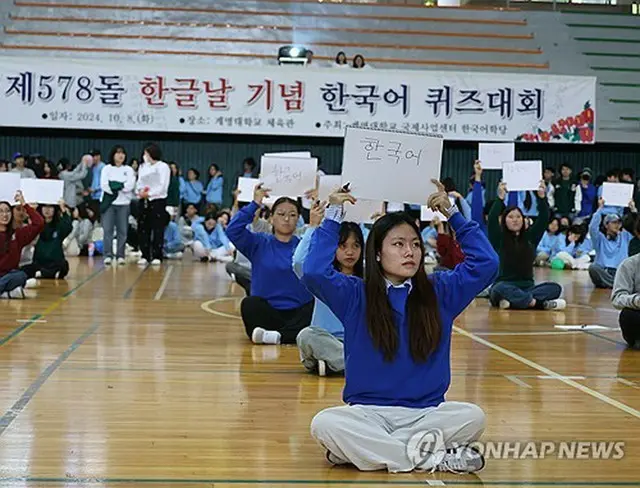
(449,250)
(10,260)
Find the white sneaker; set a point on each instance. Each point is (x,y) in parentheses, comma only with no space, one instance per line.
(156,262)
(462,460)
(122,261)
(263,336)
(558,304)
(322,368)
(38,274)
(107,261)
(504,304)
(143,262)
(31,283)
(17,293)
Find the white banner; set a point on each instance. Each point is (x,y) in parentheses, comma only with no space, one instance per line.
(157,96)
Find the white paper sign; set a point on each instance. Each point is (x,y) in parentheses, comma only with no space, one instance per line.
(246,187)
(362,211)
(391,166)
(522,175)
(492,155)
(427,215)
(290,177)
(45,192)
(617,194)
(301,154)
(327,184)
(9,185)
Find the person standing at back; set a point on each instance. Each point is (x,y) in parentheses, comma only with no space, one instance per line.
(152,188)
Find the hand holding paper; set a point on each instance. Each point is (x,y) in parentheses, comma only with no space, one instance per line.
(259,194)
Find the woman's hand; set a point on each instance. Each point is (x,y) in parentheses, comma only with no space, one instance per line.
(600,202)
(632,206)
(316,214)
(477,169)
(19,198)
(311,194)
(439,201)
(340,196)
(502,190)
(259,194)
(62,205)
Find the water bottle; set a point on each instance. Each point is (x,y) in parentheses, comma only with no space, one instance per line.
(92,248)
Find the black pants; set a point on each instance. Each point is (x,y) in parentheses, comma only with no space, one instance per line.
(242,275)
(48,270)
(153,220)
(630,325)
(256,312)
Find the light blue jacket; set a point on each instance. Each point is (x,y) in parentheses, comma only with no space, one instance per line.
(549,243)
(214,190)
(96,188)
(609,253)
(322,315)
(193,191)
(214,240)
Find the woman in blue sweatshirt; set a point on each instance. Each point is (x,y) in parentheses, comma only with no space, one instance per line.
(611,243)
(193,189)
(279,306)
(398,325)
(213,192)
(321,344)
(211,242)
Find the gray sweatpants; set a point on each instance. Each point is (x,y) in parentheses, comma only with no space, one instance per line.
(602,277)
(398,439)
(315,343)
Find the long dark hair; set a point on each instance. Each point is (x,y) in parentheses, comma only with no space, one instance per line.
(56,214)
(519,253)
(113,152)
(425,329)
(9,231)
(348,229)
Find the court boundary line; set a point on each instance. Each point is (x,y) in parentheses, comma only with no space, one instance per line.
(585,389)
(163,285)
(19,405)
(129,290)
(36,318)
(206,307)
(476,482)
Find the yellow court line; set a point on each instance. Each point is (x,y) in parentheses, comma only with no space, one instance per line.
(550,373)
(206,306)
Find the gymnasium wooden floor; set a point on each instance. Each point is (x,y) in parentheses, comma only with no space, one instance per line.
(136,377)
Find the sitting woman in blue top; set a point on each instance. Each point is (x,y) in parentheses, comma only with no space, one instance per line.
(398,325)
(572,251)
(548,245)
(279,306)
(321,344)
(211,242)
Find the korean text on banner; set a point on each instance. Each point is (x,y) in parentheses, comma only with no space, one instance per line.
(166,96)
(9,186)
(522,175)
(246,186)
(492,155)
(617,194)
(44,192)
(290,177)
(363,211)
(391,166)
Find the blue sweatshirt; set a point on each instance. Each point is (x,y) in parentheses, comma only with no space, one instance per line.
(214,190)
(370,380)
(322,315)
(609,253)
(211,240)
(272,277)
(96,175)
(172,238)
(193,191)
(477,205)
(549,243)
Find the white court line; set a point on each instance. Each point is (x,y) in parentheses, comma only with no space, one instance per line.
(165,282)
(29,320)
(628,383)
(517,381)
(435,482)
(569,332)
(548,372)
(561,377)
(206,306)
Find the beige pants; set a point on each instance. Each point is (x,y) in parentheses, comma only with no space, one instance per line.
(397,439)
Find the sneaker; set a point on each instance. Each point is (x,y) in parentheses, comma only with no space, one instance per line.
(143,262)
(179,255)
(156,262)
(263,336)
(504,304)
(38,274)
(333,459)
(31,283)
(322,368)
(462,460)
(107,261)
(558,304)
(122,261)
(17,293)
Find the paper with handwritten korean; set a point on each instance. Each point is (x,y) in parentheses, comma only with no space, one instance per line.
(391,166)
(522,175)
(617,194)
(492,155)
(286,176)
(45,192)
(9,185)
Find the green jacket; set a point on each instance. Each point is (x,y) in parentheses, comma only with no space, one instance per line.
(49,246)
(173,193)
(564,194)
(534,235)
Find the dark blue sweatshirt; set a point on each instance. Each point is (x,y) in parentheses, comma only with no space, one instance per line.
(369,379)
(272,276)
